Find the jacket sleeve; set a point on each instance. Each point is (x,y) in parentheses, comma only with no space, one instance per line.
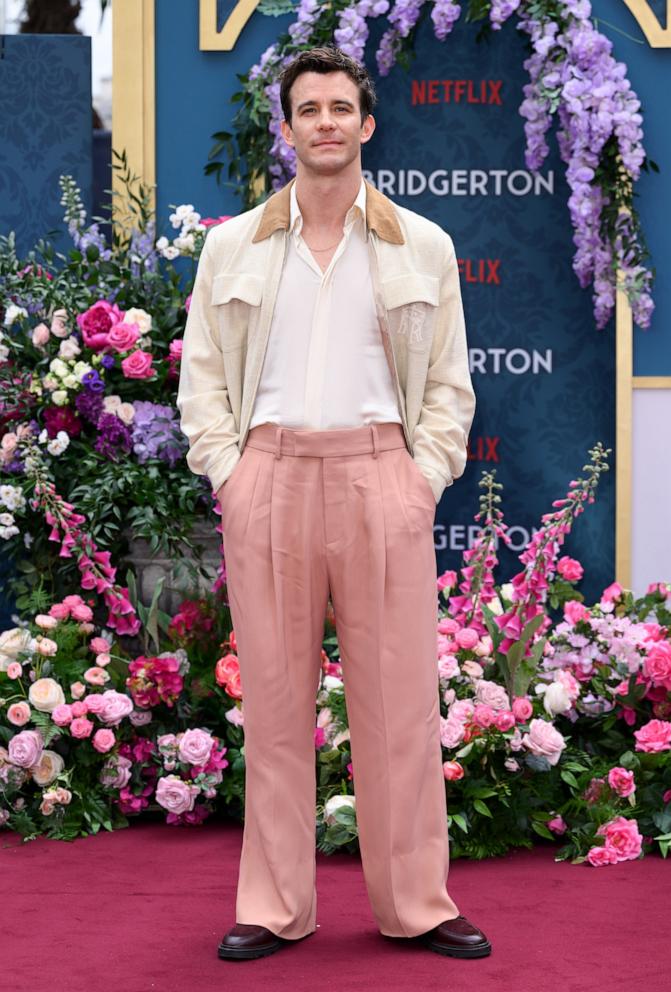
(448,405)
(202,394)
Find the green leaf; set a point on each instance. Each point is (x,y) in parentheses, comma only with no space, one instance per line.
(482,807)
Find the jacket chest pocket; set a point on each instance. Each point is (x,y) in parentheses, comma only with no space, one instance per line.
(411,300)
(237,297)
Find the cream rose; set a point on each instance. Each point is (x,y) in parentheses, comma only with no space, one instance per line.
(335,803)
(140,317)
(11,643)
(47,768)
(45,695)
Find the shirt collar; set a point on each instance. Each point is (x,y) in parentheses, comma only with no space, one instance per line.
(358,209)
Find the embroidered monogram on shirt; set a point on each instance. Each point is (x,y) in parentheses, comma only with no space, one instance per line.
(413,321)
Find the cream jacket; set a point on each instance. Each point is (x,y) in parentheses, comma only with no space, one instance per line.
(420,313)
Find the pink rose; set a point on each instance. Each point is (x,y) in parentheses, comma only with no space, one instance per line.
(483,716)
(175,795)
(116,707)
(491,694)
(137,365)
(96,323)
(622,781)
(41,335)
(25,749)
(79,708)
(598,856)
(622,836)
(187,302)
(452,771)
(59,327)
(96,675)
(103,740)
(14,670)
(654,736)
(80,611)
(19,713)
(81,727)
(667,796)
(123,337)
(575,611)
(94,703)
(448,626)
(116,772)
(657,666)
(195,746)
(544,740)
(62,714)
(505,720)
(462,709)
(60,611)
(451,732)
(522,709)
(467,638)
(556,825)
(570,569)
(77,690)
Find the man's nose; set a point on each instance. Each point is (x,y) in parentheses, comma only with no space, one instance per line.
(325,121)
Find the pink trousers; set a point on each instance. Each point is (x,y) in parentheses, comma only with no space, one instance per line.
(348,512)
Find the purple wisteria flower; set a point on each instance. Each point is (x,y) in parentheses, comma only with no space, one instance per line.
(500,11)
(156,433)
(402,17)
(114,438)
(444,15)
(351,34)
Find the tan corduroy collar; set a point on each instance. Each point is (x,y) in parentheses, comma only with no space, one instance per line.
(380,215)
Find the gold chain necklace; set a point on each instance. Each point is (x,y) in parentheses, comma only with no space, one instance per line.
(322,249)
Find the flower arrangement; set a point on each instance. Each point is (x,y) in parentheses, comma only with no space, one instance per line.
(573,77)
(90,444)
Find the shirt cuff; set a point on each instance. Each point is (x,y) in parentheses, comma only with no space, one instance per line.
(223,467)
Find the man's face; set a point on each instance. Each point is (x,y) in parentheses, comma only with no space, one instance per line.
(326,128)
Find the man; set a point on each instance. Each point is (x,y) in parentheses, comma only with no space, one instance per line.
(325,391)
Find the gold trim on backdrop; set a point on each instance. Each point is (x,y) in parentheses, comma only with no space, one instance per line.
(657,36)
(212,40)
(134,92)
(651,382)
(624,363)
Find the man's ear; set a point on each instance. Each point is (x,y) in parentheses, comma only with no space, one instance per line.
(287,133)
(367,129)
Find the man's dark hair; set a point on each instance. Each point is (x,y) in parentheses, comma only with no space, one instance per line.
(323,60)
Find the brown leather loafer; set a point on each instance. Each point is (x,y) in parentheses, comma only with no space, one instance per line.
(246,940)
(457,938)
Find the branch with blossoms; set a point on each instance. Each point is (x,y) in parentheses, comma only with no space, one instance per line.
(95,567)
(518,631)
(573,78)
(477,586)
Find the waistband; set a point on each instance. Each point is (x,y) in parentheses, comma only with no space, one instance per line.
(369,438)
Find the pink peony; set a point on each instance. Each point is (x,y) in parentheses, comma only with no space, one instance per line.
(623,837)
(621,781)
(654,736)
(138,365)
(96,323)
(598,856)
(18,714)
(522,709)
(544,740)
(103,740)
(570,569)
(81,727)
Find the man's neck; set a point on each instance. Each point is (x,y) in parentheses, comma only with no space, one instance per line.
(325,200)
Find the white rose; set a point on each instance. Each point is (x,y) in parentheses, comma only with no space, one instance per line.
(13,313)
(495,606)
(50,383)
(59,397)
(80,369)
(111,403)
(508,591)
(332,682)
(556,699)
(48,768)
(45,695)
(334,803)
(69,348)
(11,643)
(140,317)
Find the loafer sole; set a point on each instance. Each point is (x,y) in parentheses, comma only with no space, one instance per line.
(480,951)
(244,953)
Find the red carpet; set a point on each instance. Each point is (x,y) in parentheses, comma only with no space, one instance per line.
(144,909)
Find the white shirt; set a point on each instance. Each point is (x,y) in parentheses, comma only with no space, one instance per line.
(325,366)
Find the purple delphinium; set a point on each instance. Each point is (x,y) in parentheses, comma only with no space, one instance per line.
(114,437)
(156,433)
(142,250)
